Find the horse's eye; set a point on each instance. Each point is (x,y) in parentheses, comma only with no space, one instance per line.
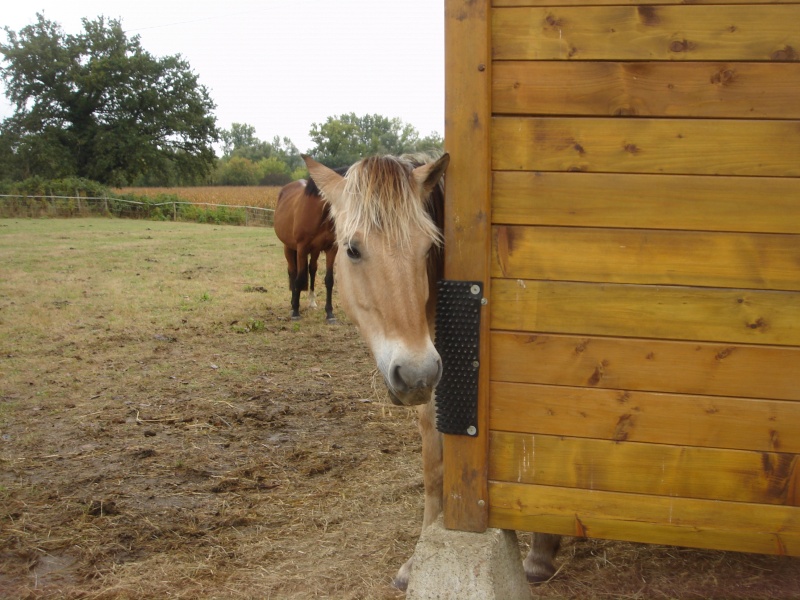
(353,253)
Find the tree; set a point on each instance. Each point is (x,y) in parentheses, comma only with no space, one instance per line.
(241,141)
(240,136)
(345,139)
(97,105)
(238,171)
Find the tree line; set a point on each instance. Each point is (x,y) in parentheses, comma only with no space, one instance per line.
(97,106)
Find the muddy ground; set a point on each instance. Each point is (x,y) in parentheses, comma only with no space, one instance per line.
(167,432)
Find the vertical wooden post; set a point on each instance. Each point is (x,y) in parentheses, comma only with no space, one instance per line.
(468,233)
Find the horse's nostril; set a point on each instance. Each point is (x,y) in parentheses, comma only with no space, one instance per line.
(397,381)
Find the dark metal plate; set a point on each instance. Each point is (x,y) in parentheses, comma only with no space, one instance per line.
(458,319)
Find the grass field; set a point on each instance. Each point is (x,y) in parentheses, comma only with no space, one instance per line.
(257,196)
(167,431)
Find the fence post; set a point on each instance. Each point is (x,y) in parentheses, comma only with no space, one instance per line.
(174,211)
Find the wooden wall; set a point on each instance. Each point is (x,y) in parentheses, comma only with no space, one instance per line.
(643,324)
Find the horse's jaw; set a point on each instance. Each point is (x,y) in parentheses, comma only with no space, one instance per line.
(410,398)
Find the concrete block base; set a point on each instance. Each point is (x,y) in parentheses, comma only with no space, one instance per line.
(458,565)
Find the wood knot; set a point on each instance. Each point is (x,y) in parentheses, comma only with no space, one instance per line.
(599,373)
(623,428)
(784,54)
(648,15)
(723,77)
(723,354)
(681,46)
(553,21)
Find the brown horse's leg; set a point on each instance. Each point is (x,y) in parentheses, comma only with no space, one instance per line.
(312,278)
(539,562)
(432,475)
(291,260)
(301,279)
(330,258)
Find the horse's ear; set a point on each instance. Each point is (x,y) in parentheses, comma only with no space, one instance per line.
(327,180)
(429,174)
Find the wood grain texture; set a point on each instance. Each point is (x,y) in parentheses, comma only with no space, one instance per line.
(739,526)
(647,89)
(655,469)
(731,260)
(680,33)
(467,232)
(674,146)
(676,313)
(647,365)
(708,203)
(657,418)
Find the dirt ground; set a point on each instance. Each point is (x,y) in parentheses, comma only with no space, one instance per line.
(167,432)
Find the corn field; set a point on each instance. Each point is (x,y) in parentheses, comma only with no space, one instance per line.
(256,196)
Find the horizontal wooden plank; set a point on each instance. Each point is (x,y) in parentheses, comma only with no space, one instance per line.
(648,365)
(647,89)
(650,417)
(656,469)
(686,32)
(739,526)
(694,202)
(676,146)
(675,313)
(733,260)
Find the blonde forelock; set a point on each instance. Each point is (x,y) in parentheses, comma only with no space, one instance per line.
(381,195)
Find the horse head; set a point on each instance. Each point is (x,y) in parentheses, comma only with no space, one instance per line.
(386,233)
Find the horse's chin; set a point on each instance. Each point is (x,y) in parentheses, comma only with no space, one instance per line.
(410,398)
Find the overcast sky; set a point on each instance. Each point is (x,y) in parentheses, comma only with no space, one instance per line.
(281,65)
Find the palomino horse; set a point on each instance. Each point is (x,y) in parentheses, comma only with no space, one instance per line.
(303,224)
(389,215)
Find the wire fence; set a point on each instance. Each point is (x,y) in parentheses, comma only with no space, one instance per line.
(12,205)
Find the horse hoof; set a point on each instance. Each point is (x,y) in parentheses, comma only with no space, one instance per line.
(331,321)
(401,579)
(295,317)
(539,573)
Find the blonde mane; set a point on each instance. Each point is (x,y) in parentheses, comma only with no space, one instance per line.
(381,195)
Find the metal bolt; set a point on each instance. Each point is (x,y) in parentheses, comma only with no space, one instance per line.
(471,430)
(475,289)
(476,364)
(484,301)
(481,502)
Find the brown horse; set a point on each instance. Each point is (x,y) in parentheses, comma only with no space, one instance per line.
(303,224)
(389,215)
